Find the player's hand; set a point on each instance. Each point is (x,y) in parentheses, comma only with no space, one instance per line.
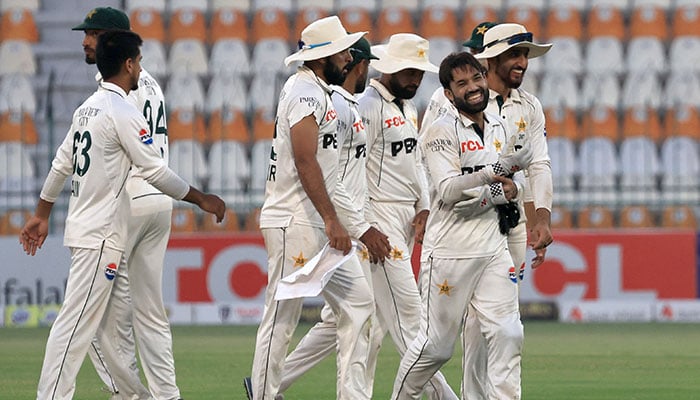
(338,236)
(33,234)
(479,200)
(519,154)
(539,258)
(540,236)
(377,244)
(213,204)
(419,225)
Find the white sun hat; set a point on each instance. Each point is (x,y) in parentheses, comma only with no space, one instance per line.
(323,38)
(502,37)
(404,51)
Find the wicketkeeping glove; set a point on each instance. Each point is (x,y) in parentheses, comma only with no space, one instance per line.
(479,200)
(517,156)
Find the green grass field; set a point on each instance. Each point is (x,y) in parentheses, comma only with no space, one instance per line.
(560,362)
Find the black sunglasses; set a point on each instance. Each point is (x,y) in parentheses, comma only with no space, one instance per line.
(515,39)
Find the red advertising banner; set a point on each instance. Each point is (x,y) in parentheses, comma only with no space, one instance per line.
(616,265)
(581,265)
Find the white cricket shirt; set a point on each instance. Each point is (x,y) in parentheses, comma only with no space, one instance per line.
(106,136)
(394,168)
(303,94)
(451,147)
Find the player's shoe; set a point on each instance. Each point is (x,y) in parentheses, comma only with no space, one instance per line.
(248,385)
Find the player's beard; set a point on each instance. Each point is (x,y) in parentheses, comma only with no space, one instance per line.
(468,108)
(402,92)
(508,78)
(333,74)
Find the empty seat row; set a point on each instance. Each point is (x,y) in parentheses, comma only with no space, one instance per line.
(634,216)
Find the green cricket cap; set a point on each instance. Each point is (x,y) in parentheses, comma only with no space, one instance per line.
(361,50)
(104,18)
(476,41)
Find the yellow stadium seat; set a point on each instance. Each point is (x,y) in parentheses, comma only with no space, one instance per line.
(229,224)
(562,218)
(187,23)
(270,23)
(148,23)
(18,24)
(438,22)
(184,220)
(228,23)
(595,217)
(636,217)
(393,20)
(678,217)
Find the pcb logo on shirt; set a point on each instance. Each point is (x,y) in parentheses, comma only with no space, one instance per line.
(145,136)
(110,271)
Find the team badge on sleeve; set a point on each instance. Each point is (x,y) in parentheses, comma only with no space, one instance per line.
(110,271)
(145,136)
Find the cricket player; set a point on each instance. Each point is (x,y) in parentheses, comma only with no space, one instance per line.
(149,225)
(298,216)
(321,339)
(506,59)
(397,186)
(465,261)
(107,136)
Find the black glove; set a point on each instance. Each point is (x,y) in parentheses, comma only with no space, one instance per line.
(508,216)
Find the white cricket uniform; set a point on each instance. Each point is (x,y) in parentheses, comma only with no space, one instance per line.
(320,341)
(520,110)
(106,137)
(294,232)
(466,262)
(397,190)
(149,227)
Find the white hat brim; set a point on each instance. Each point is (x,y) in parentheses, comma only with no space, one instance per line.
(536,50)
(388,64)
(324,51)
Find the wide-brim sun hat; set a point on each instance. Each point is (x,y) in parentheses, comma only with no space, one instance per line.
(502,37)
(403,51)
(323,38)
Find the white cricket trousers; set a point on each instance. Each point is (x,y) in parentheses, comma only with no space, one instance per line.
(475,382)
(395,288)
(449,286)
(88,289)
(321,340)
(147,243)
(348,295)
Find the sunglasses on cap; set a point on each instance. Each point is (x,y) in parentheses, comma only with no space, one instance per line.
(515,39)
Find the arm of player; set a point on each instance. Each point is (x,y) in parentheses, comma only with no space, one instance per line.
(304,139)
(441,156)
(36,229)
(540,180)
(146,156)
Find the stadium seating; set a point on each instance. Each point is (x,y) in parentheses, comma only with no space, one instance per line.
(596,217)
(563,159)
(393,20)
(636,217)
(17,57)
(259,161)
(12,221)
(639,170)
(226,24)
(148,23)
(598,167)
(17,176)
(229,224)
(606,18)
(648,18)
(678,217)
(184,220)
(564,19)
(680,180)
(229,171)
(562,218)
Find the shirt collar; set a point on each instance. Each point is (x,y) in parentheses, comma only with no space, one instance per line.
(307,73)
(112,88)
(513,96)
(383,91)
(466,122)
(347,95)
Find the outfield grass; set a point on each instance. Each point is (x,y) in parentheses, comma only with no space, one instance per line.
(560,362)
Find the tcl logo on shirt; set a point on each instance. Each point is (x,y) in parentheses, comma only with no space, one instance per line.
(331,115)
(359,126)
(471,145)
(395,121)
